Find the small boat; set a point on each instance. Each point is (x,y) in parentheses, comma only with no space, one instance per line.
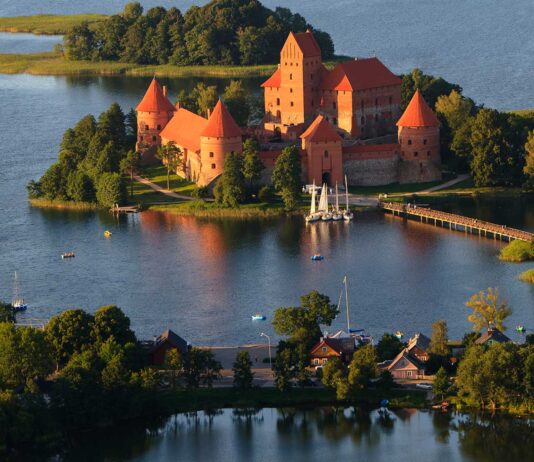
(336,213)
(399,334)
(520,328)
(68,255)
(347,214)
(317,257)
(259,317)
(323,204)
(107,233)
(17,302)
(313,216)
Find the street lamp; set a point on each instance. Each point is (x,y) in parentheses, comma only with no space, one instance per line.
(269,340)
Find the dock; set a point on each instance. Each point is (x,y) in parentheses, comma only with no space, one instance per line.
(457,222)
(125,209)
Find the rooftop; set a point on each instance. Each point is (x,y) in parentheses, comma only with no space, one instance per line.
(154,100)
(184,129)
(418,113)
(221,124)
(321,130)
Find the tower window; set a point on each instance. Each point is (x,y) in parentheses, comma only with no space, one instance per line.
(311,76)
(390,100)
(154,138)
(291,104)
(278,101)
(424,141)
(334,104)
(334,120)
(146,127)
(159,127)
(212,166)
(326,154)
(415,154)
(409,142)
(290,76)
(428,153)
(211,154)
(290,90)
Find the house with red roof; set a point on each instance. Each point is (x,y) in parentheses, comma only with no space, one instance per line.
(348,121)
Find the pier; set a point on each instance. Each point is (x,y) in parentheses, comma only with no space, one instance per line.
(457,222)
(125,209)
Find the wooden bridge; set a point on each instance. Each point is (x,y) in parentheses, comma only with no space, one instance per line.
(457,222)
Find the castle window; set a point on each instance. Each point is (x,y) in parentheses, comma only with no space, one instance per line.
(154,138)
(334,120)
(211,154)
(326,154)
(290,76)
(278,101)
(334,104)
(212,166)
(390,100)
(311,76)
(428,153)
(424,141)
(409,142)
(291,104)
(141,138)
(146,127)
(290,90)
(415,154)
(159,127)
(376,101)
(362,120)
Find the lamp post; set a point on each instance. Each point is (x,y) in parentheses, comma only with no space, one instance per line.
(269,340)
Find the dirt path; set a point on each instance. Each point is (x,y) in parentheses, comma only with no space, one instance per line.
(161,190)
(446,185)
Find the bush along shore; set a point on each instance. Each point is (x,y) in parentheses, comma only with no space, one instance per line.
(517,251)
(527,276)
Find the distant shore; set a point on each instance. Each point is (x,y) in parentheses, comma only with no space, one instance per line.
(64,205)
(47,24)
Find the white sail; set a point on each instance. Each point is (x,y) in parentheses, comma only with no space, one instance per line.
(17,298)
(337,200)
(322,201)
(312,208)
(325,189)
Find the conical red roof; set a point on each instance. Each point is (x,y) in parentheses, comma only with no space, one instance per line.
(154,100)
(221,124)
(321,130)
(418,114)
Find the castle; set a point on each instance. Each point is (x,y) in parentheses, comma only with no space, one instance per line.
(347,120)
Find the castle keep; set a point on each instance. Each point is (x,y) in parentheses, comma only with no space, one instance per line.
(347,121)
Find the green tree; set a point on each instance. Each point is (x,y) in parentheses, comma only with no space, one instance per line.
(388,347)
(7,314)
(252,164)
(34,189)
(488,310)
(79,42)
(173,365)
(132,11)
(528,170)
(80,187)
(287,176)
(54,182)
(440,386)
(439,339)
(110,321)
(112,124)
(236,100)
(206,98)
(431,87)
(172,158)
(110,190)
(129,165)
(283,369)
(302,324)
(243,375)
(335,377)
(200,367)
(69,332)
(456,108)
(363,368)
(232,181)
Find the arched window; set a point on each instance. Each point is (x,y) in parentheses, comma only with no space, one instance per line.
(428,153)
(326,154)
(415,154)
(290,76)
(212,166)
(424,141)
(211,154)
(154,138)
(146,127)
(159,127)
(409,142)
(278,101)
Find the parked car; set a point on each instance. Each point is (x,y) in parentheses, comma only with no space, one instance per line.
(424,386)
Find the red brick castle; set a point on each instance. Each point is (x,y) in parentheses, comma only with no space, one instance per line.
(347,120)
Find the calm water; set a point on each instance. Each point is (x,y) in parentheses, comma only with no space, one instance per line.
(487,47)
(405,435)
(204,278)
(27,43)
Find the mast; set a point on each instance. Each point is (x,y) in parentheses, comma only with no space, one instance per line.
(325,197)
(347,303)
(16,290)
(346,194)
(312,208)
(337,200)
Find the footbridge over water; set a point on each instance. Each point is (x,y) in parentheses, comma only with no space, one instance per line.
(457,222)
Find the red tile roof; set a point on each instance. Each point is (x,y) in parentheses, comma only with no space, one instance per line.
(418,114)
(274,81)
(184,129)
(307,44)
(221,124)
(321,130)
(359,74)
(154,100)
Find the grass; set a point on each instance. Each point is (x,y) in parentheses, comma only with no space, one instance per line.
(393,189)
(527,276)
(47,24)
(65,205)
(517,251)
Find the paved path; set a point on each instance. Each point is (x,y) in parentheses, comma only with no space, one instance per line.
(446,185)
(159,189)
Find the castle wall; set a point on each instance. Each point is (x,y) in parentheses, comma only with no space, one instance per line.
(149,127)
(371,165)
(420,154)
(212,154)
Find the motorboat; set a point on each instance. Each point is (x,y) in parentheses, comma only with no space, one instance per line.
(399,334)
(520,328)
(317,257)
(259,317)
(107,233)
(68,255)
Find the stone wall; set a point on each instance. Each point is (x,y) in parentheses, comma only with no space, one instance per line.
(372,172)
(419,171)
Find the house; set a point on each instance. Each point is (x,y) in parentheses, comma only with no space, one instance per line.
(329,347)
(406,366)
(168,340)
(418,346)
(493,335)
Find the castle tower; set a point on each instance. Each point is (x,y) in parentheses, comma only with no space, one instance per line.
(418,132)
(153,113)
(323,147)
(220,136)
(291,92)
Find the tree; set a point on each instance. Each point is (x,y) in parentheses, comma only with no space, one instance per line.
(110,189)
(206,98)
(110,321)
(456,108)
(252,164)
(54,182)
(388,347)
(287,176)
(132,11)
(7,314)
(440,386)
(171,156)
(236,100)
(34,189)
(439,339)
(431,87)
(363,368)
(283,372)
(302,324)
(243,375)
(488,310)
(200,366)
(232,181)
(112,124)
(335,377)
(80,187)
(173,364)
(528,170)
(130,165)
(68,333)
(79,42)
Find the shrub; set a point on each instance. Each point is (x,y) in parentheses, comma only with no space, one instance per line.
(265,194)
(528,276)
(517,251)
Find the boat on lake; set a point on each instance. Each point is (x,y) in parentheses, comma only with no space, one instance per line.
(347,214)
(323,204)
(259,317)
(317,257)
(68,255)
(520,328)
(17,301)
(337,215)
(314,215)
(107,233)
(399,334)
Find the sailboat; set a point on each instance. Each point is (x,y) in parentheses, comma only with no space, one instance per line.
(359,335)
(347,214)
(18,301)
(323,208)
(314,215)
(336,214)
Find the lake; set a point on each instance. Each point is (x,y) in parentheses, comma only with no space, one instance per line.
(486,47)
(247,435)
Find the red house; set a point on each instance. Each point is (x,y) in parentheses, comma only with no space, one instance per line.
(165,342)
